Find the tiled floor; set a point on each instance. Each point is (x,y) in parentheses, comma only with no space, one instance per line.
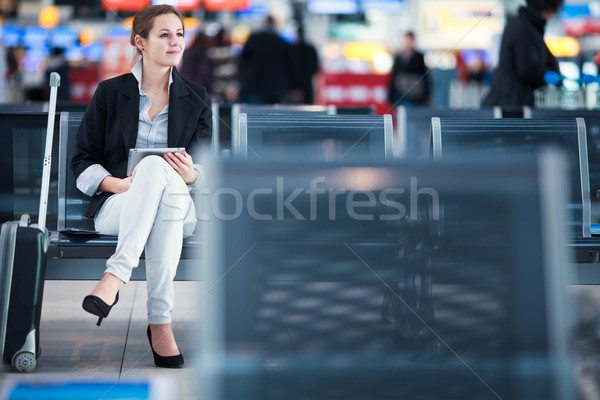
(587,302)
(75,349)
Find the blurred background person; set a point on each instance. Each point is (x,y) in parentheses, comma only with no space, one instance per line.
(478,70)
(306,65)
(265,67)
(9,8)
(14,90)
(525,61)
(58,63)
(3,73)
(224,58)
(409,83)
(462,69)
(197,66)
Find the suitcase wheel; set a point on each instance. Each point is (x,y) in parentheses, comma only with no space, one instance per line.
(24,361)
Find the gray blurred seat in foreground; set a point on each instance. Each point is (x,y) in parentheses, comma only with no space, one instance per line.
(309,296)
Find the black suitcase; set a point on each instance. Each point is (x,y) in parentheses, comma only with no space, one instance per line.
(23,249)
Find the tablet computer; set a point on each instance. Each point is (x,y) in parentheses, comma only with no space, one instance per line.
(136,155)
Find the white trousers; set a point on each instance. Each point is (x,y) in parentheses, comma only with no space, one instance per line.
(153,215)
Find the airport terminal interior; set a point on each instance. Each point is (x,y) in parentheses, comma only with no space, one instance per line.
(379,199)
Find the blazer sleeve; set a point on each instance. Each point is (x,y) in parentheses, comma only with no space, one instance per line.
(90,139)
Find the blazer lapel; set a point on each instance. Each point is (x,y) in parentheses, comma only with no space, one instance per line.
(180,111)
(128,111)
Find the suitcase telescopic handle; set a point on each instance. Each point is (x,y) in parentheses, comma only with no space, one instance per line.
(54,79)
(54,84)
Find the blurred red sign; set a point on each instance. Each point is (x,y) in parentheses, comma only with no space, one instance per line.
(118,57)
(187,5)
(579,28)
(124,5)
(229,5)
(83,82)
(181,5)
(357,90)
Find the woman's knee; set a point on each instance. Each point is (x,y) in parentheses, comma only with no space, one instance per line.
(154,168)
(176,201)
(151,165)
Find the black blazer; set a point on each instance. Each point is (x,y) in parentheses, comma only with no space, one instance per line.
(110,124)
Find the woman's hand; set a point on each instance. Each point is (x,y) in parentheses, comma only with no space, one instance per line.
(183,164)
(115,185)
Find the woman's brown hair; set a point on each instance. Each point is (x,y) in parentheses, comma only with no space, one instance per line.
(144,20)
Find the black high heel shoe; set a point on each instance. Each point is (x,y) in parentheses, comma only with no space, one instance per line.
(95,305)
(165,362)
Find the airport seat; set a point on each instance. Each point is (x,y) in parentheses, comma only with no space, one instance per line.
(316,137)
(507,138)
(73,256)
(275,109)
(295,307)
(355,110)
(413,127)
(592,129)
(22,135)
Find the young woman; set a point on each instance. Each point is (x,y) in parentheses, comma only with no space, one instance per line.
(153,106)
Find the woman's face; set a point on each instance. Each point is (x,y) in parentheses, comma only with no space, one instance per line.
(164,45)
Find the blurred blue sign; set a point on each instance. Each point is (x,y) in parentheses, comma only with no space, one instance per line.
(94,51)
(383,5)
(575,11)
(75,54)
(64,37)
(332,6)
(255,11)
(118,32)
(11,35)
(35,36)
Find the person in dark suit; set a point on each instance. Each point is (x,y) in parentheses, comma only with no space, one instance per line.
(524,56)
(265,68)
(306,63)
(409,83)
(152,210)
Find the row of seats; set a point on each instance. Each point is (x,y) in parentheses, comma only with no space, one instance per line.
(260,131)
(363,277)
(67,249)
(413,132)
(466,291)
(291,131)
(22,129)
(411,136)
(333,137)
